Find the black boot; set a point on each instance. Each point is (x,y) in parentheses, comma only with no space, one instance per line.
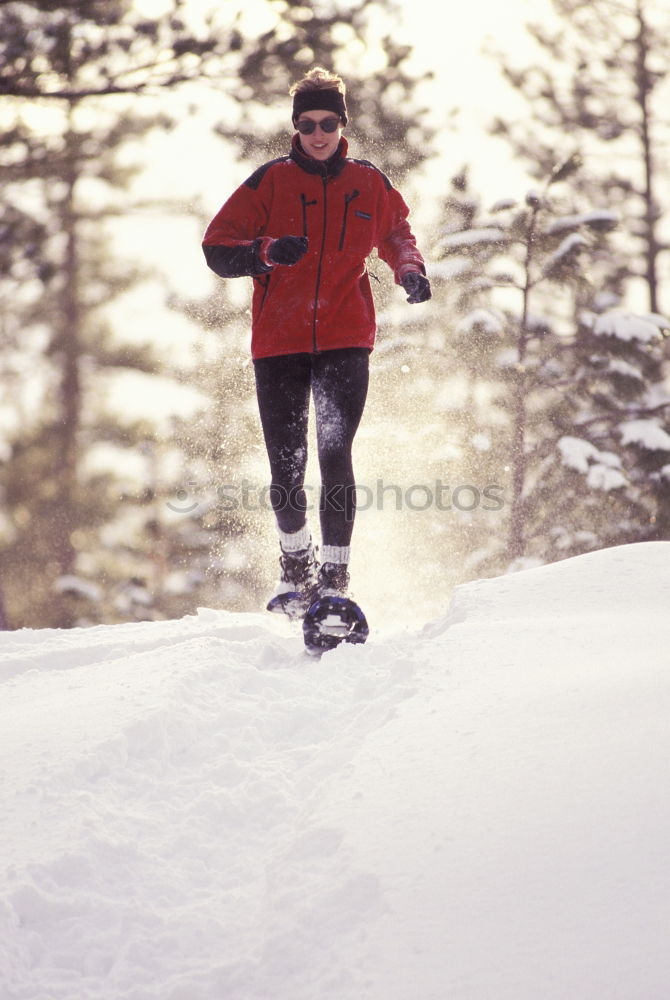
(333,580)
(298,581)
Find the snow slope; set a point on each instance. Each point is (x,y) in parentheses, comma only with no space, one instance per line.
(193,810)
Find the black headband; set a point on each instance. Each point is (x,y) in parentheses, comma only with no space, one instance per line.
(319,100)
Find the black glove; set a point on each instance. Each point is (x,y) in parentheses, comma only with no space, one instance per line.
(287,250)
(417,286)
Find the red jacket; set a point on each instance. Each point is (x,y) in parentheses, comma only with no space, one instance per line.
(344,207)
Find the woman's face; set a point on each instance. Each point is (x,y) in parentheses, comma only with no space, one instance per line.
(321,145)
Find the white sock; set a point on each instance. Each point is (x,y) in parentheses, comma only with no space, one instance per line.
(335,554)
(294,541)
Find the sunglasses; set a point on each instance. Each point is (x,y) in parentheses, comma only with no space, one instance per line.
(306,126)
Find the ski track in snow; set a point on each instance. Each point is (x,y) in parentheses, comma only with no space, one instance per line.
(176,827)
(195,810)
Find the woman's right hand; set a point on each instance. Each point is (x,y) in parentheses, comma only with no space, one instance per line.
(287,250)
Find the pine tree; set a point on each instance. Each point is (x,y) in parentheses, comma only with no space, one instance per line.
(64,71)
(554,393)
(601,88)
(73,355)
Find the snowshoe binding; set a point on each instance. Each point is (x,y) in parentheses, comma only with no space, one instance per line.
(333,617)
(298,583)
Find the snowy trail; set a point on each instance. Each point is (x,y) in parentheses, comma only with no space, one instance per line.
(194,810)
(531,859)
(175,822)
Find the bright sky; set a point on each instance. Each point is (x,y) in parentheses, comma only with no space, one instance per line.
(447,39)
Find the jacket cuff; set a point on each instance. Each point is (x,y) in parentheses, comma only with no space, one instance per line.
(404,269)
(236,261)
(262,251)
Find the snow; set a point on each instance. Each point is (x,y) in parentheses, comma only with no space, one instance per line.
(600,219)
(567,247)
(450,270)
(629,326)
(647,433)
(483,320)
(471,237)
(508,358)
(503,205)
(620,367)
(603,477)
(601,468)
(539,324)
(193,810)
(75,585)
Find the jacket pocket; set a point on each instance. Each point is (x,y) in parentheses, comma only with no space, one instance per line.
(305,205)
(264,282)
(348,198)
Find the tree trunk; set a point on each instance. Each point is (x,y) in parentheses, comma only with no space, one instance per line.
(517,544)
(69,343)
(644,82)
(4,624)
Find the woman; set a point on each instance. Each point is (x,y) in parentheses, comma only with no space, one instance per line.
(302,227)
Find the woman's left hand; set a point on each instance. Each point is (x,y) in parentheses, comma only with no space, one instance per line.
(417,286)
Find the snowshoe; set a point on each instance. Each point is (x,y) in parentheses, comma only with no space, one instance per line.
(331,620)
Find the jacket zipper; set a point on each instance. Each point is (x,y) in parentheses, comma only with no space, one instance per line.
(348,198)
(318,270)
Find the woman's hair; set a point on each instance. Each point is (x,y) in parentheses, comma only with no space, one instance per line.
(318,79)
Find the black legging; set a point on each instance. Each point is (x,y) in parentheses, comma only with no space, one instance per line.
(339,382)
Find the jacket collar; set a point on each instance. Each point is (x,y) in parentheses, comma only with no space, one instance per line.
(325,168)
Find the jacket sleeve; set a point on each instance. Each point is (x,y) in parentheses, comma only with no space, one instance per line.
(397,243)
(234,241)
